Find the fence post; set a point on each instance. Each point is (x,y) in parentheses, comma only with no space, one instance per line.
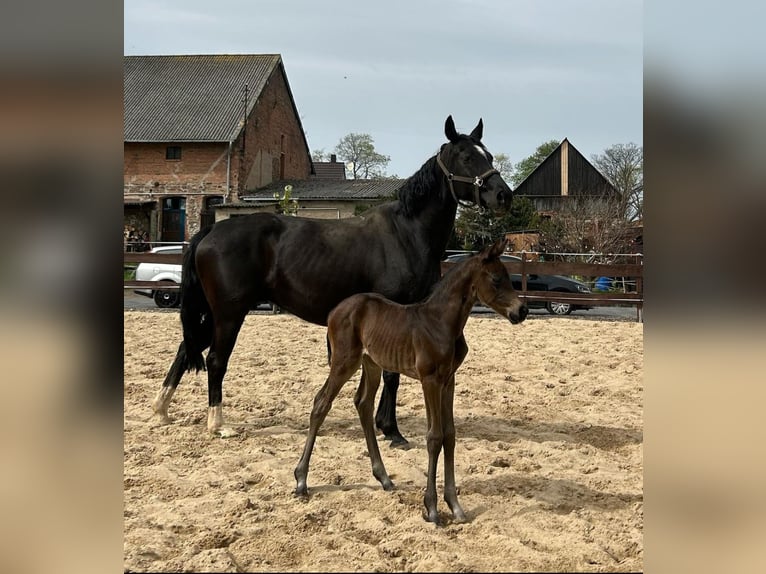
(523,271)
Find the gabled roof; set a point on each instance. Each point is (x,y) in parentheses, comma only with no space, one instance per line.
(193,98)
(556,152)
(334,170)
(318,189)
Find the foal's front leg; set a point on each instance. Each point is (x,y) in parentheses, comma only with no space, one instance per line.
(432,392)
(450,490)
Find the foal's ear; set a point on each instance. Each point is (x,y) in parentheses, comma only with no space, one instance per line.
(478,130)
(496,249)
(449,129)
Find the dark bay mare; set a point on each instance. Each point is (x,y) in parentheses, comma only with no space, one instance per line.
(307,266)
(424,341)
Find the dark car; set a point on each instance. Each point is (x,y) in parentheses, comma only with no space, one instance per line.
(541,283)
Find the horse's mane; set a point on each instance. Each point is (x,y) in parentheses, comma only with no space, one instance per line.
(418,189)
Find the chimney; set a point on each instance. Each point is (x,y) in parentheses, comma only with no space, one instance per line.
(333,158)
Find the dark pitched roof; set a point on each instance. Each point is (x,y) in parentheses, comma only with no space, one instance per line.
(192,98)
(329,170)
(349,190)
(521,188)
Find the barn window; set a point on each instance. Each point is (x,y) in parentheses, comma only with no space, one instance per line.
(173,152)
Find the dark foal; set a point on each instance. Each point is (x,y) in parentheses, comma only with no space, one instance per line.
(424,341)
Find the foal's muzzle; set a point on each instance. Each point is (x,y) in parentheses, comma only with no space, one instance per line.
(517,316)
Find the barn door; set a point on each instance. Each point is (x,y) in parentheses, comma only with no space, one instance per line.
(173,219)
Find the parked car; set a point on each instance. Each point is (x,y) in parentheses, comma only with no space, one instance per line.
(541,283)
(167,272)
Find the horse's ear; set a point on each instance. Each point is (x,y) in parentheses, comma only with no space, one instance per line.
(478,130)
(449,129)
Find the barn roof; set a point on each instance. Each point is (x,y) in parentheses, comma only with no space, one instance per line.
(193,98)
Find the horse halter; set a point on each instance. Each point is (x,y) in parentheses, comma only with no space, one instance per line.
(477,181)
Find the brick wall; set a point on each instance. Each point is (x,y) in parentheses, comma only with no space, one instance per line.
(273,133)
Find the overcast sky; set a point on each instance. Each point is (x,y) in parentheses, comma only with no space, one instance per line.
(395,69)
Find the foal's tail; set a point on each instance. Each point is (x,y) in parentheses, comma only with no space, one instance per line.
(195,311)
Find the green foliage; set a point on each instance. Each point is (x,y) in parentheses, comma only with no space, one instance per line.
(475,228)
(286,204)
(529,164)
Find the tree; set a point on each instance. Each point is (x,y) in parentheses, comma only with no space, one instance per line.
(357,151)
(320,155)
(475,228)
(503,164)
(623,166)
(587,225)
(529,164)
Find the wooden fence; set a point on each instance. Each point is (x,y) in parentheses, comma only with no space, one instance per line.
(525,268)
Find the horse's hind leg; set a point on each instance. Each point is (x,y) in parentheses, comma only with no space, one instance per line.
(364,400)
(224,336)
(385,418)
(162,399)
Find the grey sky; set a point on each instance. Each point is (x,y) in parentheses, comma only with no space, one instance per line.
(534,71)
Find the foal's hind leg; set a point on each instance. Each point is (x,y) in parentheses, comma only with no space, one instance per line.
(162,399)
(385,418)
(364,400)
(224,336)
(340,372)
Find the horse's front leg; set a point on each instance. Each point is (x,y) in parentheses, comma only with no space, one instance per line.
(450,490)
(385,417)
(432,392)
(364,400)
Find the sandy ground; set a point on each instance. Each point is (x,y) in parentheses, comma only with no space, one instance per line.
(549,456)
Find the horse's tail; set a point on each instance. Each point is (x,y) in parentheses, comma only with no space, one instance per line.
(329,351)
(195,311)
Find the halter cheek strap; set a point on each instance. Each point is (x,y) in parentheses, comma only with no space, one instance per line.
(477,182)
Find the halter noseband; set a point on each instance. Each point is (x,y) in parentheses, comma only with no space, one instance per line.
(477,181)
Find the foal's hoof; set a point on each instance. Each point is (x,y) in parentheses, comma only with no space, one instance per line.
(302,492)
(433,517)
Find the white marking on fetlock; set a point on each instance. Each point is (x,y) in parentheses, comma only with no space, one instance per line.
(161,402)
(215,423)
(214,418)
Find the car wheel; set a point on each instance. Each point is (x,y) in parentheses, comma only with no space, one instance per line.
(166,299)
(555,308)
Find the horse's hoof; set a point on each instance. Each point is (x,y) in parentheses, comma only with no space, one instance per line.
(388,486)
(459,518)
(399,442)
(302,492)
(161,419)
(226,432)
